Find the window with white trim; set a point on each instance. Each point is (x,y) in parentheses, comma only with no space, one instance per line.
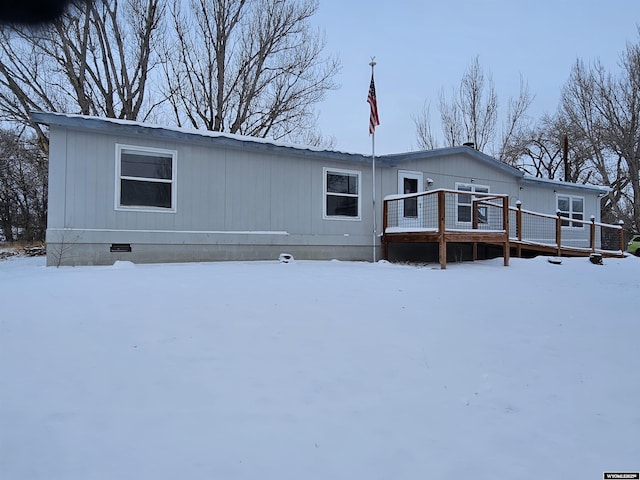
(571,207)
(341,194)
(145,178)
(464,203)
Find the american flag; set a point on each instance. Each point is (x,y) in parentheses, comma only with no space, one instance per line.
(371,99)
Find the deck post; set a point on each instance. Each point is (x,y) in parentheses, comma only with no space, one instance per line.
(385,222)
(474,214)
(592,234)
(505,225)
(519,228)
(559,233)
(442,225)
(622,244)
(474,226)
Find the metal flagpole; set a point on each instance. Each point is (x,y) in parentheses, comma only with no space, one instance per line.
(374,107)
(373,168)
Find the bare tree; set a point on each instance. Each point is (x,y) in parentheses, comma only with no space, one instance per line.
(540,150)
(23,188)
(470,114)
(95,59)
(252,67)
(516,125)
(427,140)
(452,125)
(605,110)
(478,104)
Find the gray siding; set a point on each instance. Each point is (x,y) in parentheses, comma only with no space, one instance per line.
(240,199)
(447,170)
(225,198)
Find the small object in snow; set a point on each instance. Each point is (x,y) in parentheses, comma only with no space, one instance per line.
(595,258)
(123,264)
(555,260)
(286,258)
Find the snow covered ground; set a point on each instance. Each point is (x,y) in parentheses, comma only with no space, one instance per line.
(319,370)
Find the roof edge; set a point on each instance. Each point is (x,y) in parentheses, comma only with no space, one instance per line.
(398,158)
(228,140)
(566,185)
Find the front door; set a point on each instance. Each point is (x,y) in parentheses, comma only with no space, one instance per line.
(410,209)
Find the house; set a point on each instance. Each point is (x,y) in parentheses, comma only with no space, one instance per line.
(122,190)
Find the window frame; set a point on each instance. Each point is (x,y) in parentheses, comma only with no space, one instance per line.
(340,171)
(568,224)
(413,204)
(119,177)
(473,190)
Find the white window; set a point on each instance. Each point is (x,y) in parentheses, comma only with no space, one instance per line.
(571,207)
(465,203)
(341,194)
(145,179)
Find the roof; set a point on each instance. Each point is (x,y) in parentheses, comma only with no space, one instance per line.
(566,185)
(233,141)
(222,139)
(399,158)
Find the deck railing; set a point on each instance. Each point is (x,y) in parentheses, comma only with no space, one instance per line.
(562,232)
(452,211)
(445,216)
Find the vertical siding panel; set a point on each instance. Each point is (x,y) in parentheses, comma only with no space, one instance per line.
(215,200)
(317,198)
(281,187)
(308,205)
(57,178)
(92,192)
(77,210)
(259,192)
(189,186)
(247,187)
(290,208)
(104,182)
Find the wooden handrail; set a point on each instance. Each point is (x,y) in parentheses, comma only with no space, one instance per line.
(402,196)
(442,235)
(485,200)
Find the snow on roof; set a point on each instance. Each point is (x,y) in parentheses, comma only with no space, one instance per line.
(55,118)
(561,184)
(86,121)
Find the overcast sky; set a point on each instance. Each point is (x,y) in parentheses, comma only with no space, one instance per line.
(424,46)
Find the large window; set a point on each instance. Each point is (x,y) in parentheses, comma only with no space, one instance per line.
(341,194)
(465,203)
(145,179)
(571,207)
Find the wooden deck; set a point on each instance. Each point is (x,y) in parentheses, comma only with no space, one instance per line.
(435,206)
